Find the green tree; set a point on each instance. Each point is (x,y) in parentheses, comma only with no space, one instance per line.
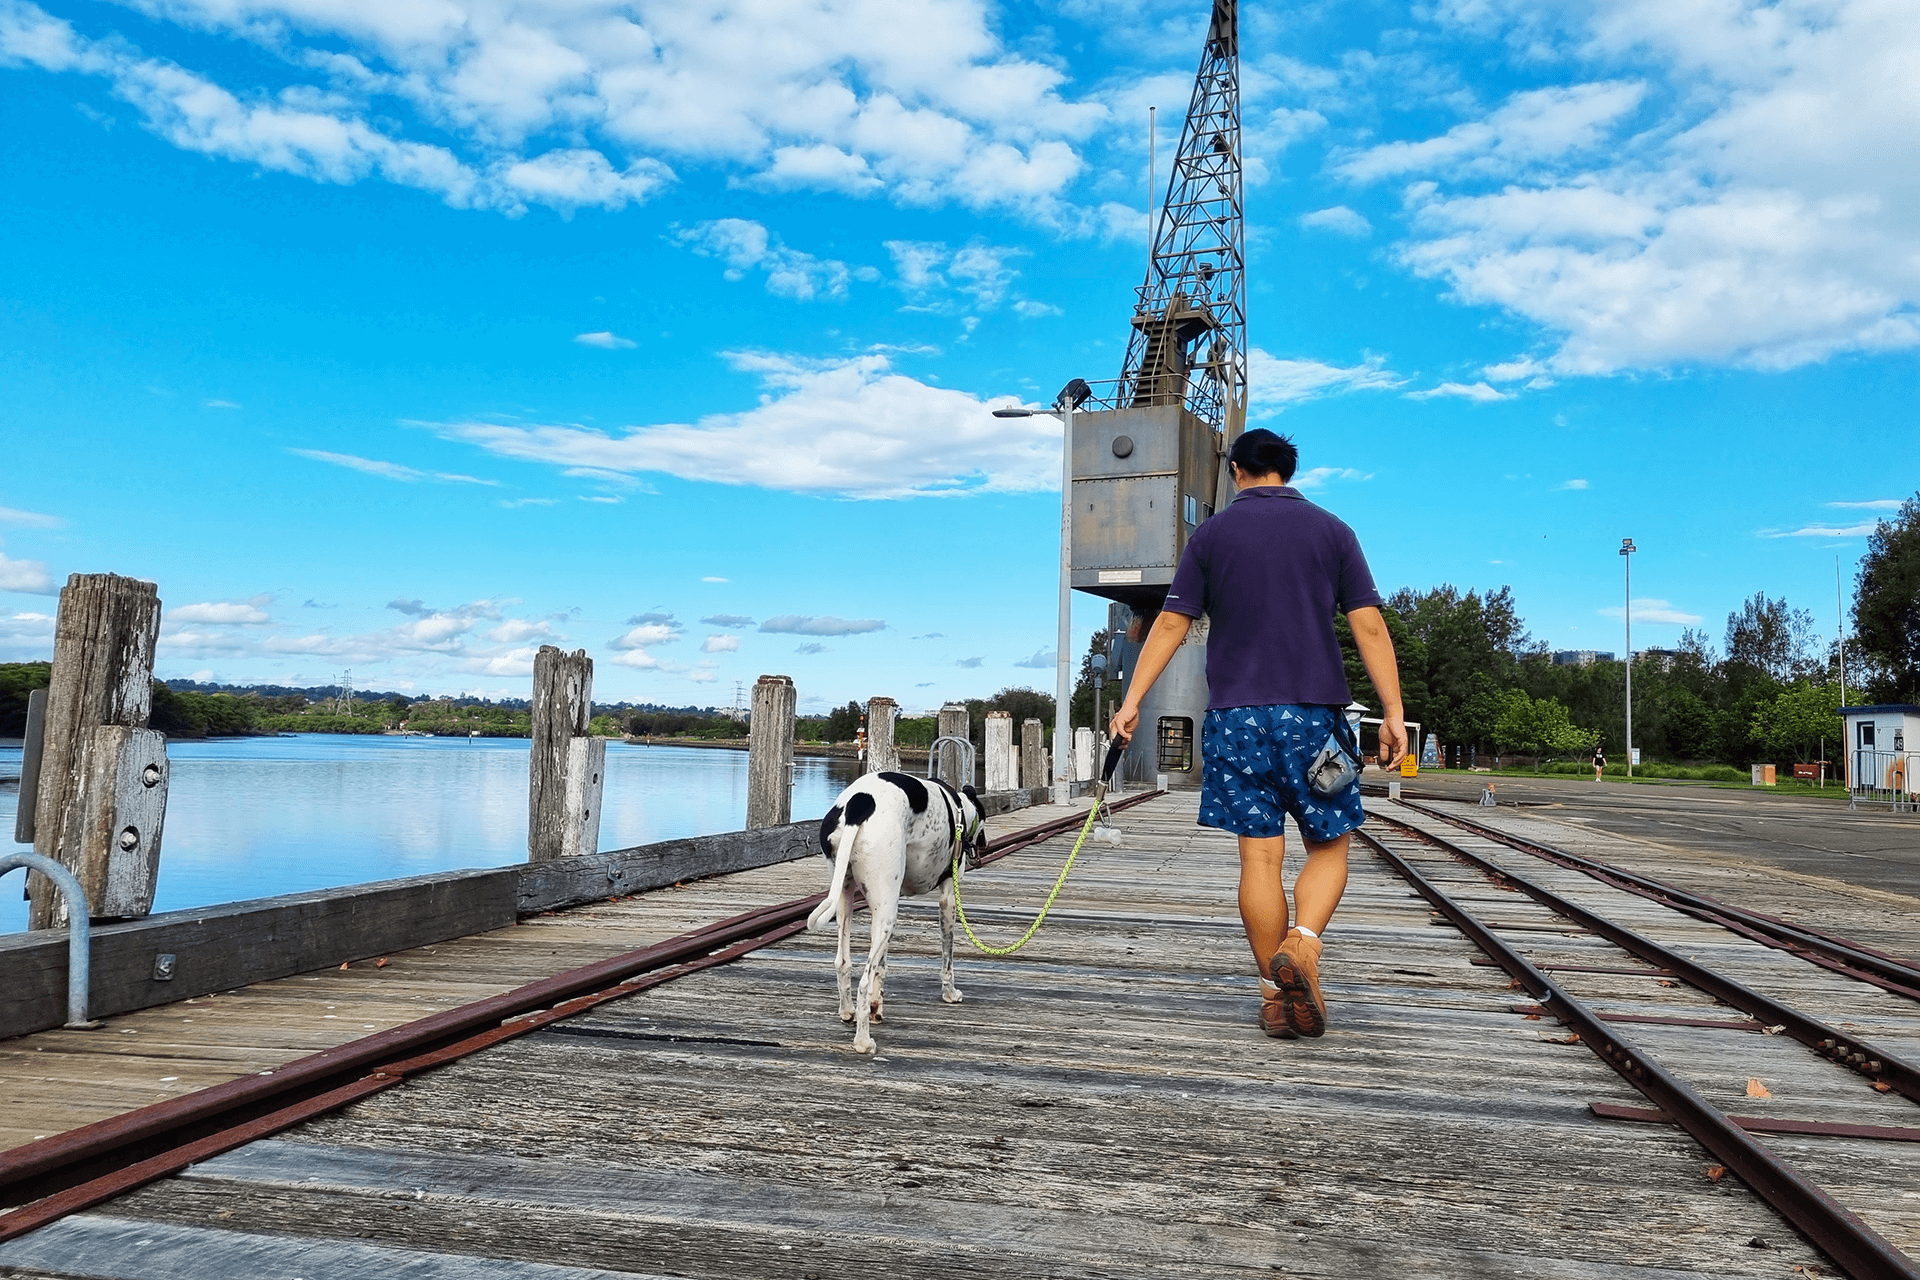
(1886,606)
(17,680)
(1539,727)
(1410,656)
(1795,723)
(1769,638)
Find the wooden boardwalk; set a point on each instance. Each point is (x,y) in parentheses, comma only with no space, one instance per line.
(1101,1105)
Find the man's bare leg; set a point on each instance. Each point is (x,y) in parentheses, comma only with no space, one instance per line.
(1263,897)
(1317,889)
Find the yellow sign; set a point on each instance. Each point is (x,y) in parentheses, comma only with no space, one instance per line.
(1409,767)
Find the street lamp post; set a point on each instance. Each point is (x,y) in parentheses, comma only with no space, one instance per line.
(1626,550)
(1069,399)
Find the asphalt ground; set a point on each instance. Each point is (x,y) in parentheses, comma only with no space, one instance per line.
(1872,848)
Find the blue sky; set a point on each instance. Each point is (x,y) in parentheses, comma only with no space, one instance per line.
(407,336)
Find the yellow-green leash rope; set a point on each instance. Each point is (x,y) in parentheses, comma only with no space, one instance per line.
(1099,798)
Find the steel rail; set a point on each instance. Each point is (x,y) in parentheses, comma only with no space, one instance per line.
(1839,1046)
(1841,955)
(82,1167)
(1863,1252)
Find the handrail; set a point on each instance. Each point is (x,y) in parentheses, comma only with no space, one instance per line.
(966,758)
(79,932)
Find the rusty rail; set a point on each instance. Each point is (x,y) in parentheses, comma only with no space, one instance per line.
(1863,1252)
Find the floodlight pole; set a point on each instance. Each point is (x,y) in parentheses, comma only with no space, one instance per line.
(1626,550)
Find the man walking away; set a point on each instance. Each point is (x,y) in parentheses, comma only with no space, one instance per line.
(1268,572)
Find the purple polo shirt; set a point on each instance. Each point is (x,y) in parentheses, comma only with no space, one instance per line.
(1268,572)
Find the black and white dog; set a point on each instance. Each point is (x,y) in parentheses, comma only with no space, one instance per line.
(891,834)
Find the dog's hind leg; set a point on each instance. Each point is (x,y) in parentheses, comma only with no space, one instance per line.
(843,959)
(948,992)
(883,907)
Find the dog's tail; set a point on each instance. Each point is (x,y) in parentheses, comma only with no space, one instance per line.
(842,854)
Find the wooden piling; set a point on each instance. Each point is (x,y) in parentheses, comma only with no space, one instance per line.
(1033,755)
(770,753)
(566,767)
(1083,754)
(997,738)
(952,760)
(103,645)
(883,751)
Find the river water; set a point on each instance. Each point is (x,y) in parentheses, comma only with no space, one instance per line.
(254,817)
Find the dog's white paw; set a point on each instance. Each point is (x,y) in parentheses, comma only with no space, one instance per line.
(864,1046)
(846,1015)
(952,996)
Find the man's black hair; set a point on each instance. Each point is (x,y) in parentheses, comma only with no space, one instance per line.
(1261,452)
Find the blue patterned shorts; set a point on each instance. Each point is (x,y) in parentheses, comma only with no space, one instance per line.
(1255,773)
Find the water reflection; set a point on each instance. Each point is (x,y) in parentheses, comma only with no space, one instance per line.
(253,817)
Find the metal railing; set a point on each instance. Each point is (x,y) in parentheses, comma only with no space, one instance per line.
(936,758)
(79,932)
(1890,778)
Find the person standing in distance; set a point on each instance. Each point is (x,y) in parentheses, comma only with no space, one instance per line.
(1268,572)
(1599,762)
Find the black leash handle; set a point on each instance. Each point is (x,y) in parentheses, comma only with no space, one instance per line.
(1114,750)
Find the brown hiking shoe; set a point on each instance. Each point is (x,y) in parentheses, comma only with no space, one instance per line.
(1273,1015)
(1296,968)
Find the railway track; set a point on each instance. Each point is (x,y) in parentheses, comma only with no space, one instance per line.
(67,1173)
(1542,952)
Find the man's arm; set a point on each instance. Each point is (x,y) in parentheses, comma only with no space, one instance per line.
(1376,651)
(1169,629)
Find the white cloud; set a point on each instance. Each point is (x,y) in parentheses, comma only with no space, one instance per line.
(515,630)
(1822,531)
(1875,504)
(218,404)
(26,637)
(511,503)
(1573,484)
(812,647)
(29,577)
(1339,219)
(793,624)
(1027,309)
(977,274)
(1731,203)
(386,470)
(850,428)
(971,664)
(711,578)
(605,340)
(1043,659)
(918,99)
(1273,383)
(226,613)
(744,245)
(720,644)
(34,520)
(1478,392)
(1652,611)
(1320,477)
(647,635)
(727,620)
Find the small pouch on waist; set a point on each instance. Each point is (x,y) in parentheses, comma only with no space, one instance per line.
(1337,766)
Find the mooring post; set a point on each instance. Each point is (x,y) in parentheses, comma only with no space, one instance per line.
(953,724)
(883,752)
(1083,754)
(1033,755)
(567,766)
(998,736)
(102,794)
(770,753)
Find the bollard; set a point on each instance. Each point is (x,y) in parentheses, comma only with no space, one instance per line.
(883,749)
(953,723)
(566,767)
(102,788)
(1000,760)
(770,753)
(1033,756)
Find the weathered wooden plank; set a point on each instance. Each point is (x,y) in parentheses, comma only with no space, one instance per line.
(119,806)
(103,1248)
(770,753)
(1033,756)
(997,744)
(218,948)
(103,645)
(566,882)
(29,778)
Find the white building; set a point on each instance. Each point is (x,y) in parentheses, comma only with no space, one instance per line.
(1883,752)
